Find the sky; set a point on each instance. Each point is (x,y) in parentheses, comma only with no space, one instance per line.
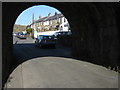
(26,16)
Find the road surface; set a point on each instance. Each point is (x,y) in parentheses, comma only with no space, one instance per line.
(54,68)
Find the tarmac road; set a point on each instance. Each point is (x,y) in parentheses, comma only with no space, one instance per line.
(54,68)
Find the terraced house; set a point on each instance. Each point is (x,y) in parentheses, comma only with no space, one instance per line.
(50,23)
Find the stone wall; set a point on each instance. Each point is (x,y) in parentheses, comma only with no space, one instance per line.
(65,40)
(96,35)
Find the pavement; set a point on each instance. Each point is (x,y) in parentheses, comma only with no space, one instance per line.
(56,72)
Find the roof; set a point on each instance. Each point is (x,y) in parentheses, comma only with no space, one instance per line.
(48,18)
(55,17)
(42,19)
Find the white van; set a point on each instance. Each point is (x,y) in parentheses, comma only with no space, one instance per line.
(47,33)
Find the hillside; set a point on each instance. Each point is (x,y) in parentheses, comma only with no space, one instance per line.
(17,28)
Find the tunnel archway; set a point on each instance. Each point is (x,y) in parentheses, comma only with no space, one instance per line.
(29,41)
(95,20)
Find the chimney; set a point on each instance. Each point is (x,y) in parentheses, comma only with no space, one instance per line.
(49,14)
(55,13)
(40,17)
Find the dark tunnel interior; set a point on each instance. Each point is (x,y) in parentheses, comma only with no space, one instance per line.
(95,30)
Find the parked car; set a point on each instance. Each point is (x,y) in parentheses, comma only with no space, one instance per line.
(14,34)
(61,33)
(21,35)
(45,40)
(18,34)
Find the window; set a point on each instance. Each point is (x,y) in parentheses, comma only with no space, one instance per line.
(47,37)
(64,19)
(60,20)
(40,37)
(66,25)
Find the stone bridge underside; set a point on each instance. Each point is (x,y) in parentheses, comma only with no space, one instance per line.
(94,26)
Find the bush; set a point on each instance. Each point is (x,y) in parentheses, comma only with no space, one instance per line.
(29,30)
(52,29)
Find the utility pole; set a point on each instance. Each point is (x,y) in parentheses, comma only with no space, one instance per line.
(35,32)
(34,23)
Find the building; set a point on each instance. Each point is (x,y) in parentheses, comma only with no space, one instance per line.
(50,23)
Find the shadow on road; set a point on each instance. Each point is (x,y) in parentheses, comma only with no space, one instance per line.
(27,51)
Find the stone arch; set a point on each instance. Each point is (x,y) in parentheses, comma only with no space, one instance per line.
(94,26)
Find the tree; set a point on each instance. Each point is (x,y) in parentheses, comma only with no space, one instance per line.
(29,30)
